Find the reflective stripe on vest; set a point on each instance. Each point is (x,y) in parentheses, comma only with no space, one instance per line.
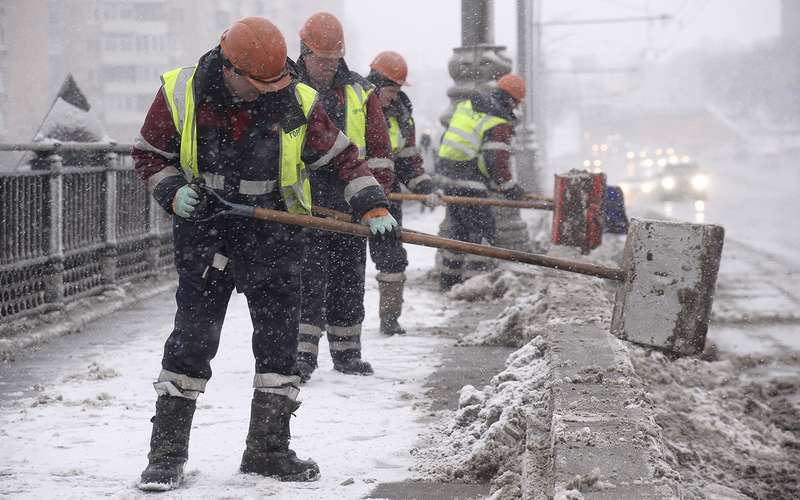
(396,135)
(294,183)
(356,116)
(464,136)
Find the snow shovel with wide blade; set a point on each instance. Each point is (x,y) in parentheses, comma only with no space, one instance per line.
(219,206)
(667,281)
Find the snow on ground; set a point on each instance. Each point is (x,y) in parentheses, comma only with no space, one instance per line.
(729,430)
(86,432)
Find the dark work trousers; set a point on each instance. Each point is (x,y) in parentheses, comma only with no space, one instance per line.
(262,260)
(388,254)
(333,279)
(469,223)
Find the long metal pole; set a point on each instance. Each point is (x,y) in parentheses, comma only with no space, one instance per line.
(539,109)
(527,159)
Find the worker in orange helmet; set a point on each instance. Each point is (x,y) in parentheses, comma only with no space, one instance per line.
(388,73)
(334,267)
(474,158)
(240,122)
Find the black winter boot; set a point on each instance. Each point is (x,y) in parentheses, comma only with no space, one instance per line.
(350,362)
(345,345)
(448,281)
(305,366)
(267,451)
(390,326)
(169,444)
(390,303)
(307,348)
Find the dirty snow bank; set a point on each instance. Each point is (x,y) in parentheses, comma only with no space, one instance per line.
(729,434)
(485,438)
(541,297)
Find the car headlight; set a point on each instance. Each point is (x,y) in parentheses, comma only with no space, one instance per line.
(700,182)
(647,187)
(668,183)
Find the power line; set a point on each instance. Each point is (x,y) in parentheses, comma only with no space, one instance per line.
(610,20)
(630,69)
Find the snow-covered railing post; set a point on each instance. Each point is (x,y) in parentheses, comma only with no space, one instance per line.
(108,257)
(54,284)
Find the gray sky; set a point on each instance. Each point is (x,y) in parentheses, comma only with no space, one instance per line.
(426,30)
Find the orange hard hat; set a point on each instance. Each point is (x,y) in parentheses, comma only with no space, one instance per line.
(254,48)
(391,65)
(513,85)
(323,34)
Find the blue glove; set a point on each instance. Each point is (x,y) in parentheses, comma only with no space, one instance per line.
(185,201)
(380,221)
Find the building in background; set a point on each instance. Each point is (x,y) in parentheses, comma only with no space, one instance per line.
(790,24)
(116,51)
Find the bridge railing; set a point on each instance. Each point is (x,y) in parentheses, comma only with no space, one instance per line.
(71,230)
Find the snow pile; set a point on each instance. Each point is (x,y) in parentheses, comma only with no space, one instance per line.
(553,299)
(95,371)
(497,284)
(66,122)
(486,435)
(540,224)
(542,297)
(588,482)
(728,433)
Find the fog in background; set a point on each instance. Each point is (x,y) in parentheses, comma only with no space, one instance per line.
(712,75)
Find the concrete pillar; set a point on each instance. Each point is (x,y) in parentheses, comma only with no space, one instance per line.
(478,62)
(475,66)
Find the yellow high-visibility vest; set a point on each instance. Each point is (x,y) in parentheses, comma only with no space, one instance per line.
(356,116)
(396,135)
(294,184)
(464,136)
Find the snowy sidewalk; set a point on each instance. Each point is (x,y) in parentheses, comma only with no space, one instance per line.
(85,430)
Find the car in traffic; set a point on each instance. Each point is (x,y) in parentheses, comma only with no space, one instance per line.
(681,181)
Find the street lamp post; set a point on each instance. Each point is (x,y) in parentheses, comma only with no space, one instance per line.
(476,66)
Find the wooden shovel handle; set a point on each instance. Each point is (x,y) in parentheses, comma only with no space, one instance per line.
(467,200)
(331,213)
(429,240)
(538,197)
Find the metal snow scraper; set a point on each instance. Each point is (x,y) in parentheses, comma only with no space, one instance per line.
(667,279)
(581,206)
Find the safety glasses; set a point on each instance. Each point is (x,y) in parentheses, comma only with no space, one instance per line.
(229,65)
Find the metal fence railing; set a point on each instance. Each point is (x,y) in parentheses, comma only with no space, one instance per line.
(75,229)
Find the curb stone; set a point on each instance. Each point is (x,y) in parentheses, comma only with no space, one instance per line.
(597,436)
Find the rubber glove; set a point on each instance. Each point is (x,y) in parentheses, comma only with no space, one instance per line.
(515,193)
(434,199)
(380,221)
(185,202)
